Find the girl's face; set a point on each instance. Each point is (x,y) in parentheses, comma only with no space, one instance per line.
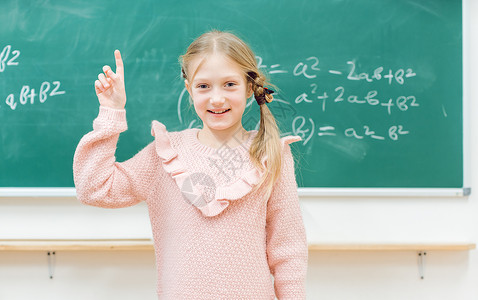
(219,85)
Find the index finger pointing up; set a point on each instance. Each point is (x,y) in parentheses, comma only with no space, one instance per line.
(119,64)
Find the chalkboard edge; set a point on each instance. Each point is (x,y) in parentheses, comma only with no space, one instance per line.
(302,192)
(37,192)
(384,192)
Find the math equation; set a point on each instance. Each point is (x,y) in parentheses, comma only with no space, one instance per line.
(319,97)
(27,95)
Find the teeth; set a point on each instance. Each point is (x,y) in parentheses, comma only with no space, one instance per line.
(219,112)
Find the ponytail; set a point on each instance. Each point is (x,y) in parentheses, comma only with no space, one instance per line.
(267,141)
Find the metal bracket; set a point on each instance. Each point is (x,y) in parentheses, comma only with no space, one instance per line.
(51,263)
(421,263)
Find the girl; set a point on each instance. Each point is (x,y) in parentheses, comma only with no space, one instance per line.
(240,220)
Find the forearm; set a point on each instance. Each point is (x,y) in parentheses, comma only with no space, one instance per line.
(288,252)
(99,179)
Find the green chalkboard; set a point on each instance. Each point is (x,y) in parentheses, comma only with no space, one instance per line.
(374,87)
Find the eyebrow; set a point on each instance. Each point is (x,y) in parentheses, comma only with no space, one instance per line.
(225,78)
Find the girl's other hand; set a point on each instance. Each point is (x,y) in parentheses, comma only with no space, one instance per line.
(110,86)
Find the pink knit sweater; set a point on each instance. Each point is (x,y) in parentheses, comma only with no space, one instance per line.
(214,238)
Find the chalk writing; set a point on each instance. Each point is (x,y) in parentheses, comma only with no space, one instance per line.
(402,103)
(302,68)
(310,68)
(398,75)
(274,69)
(8,57)
(306,130)
(28,95)
(393,133)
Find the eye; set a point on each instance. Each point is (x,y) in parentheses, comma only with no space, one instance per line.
(230,84)
(202,86)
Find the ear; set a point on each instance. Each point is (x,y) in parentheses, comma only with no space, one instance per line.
(188,87)
(250,92)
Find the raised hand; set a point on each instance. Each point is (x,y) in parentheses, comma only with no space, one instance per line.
(110,86)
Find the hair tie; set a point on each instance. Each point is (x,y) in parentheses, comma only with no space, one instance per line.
(265,97)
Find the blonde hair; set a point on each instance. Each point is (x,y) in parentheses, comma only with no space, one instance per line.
(267,141)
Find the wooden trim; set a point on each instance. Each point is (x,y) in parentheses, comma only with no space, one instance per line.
(76,245)
(391,247)
(147,245)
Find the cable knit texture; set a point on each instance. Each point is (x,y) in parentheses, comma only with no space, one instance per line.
(214,237)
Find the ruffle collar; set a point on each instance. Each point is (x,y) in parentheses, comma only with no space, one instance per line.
(195,193)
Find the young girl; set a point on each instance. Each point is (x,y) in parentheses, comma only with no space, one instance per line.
(222,201)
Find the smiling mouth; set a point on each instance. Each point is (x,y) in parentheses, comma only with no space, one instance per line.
(219,112)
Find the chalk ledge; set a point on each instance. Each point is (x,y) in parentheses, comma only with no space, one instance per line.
(147,245)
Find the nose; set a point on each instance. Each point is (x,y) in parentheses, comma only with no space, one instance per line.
(217,98)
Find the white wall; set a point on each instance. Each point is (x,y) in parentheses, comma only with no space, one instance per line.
(332,275)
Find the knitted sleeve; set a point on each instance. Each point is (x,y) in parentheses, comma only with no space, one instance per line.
(287,250)
(99,179)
